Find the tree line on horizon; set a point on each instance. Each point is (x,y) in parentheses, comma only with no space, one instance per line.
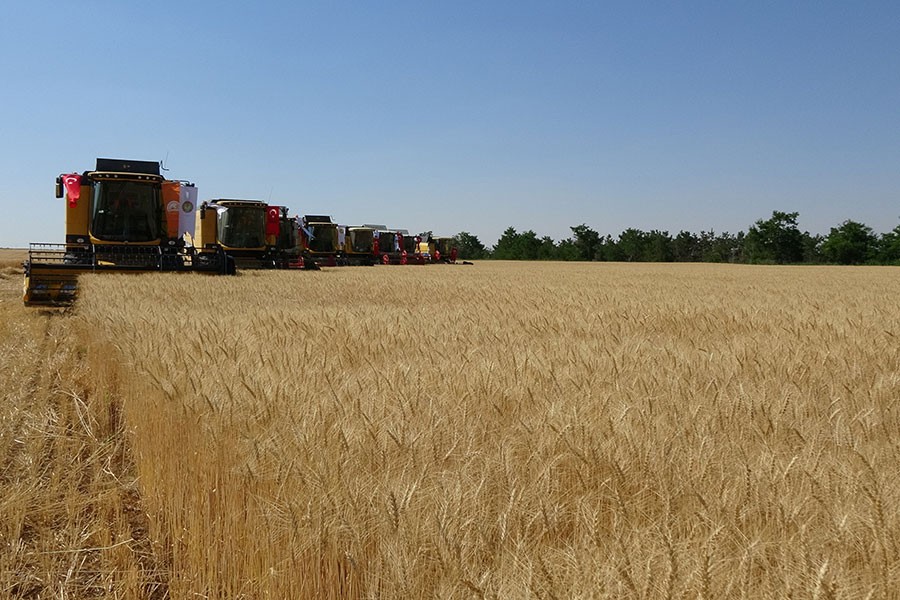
(776,240)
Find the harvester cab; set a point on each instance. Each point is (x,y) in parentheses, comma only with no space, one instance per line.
(443,250)
(410,247)
(288,249)
(320,238)
(359,245)
(248,231)
(123,216)
(388,247)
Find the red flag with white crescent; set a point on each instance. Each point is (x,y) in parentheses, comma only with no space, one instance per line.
(72,181)
(272,221)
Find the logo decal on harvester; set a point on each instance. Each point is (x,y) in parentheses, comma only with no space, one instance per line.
(187,206)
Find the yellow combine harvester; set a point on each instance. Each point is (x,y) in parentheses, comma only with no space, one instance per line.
(359,245)
(321,241)
(255,235)
(442,250)
(411,247)
(123,217)
(389,247)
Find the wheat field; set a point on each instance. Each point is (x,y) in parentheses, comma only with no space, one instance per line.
(505,430)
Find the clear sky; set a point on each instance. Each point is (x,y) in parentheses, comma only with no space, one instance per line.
(467,115)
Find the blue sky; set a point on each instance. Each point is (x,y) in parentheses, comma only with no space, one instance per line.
(466,116)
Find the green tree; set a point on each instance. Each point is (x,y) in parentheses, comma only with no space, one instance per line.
(586,241)
(529,245)
(851,243)
(513,245)
(547,250)
(470,247)
(567,249)
(632,244)
(506,247)
(685,247)
(775,240)
(721,248)
(658,247)
(889,247)
(608,249)
(812,248)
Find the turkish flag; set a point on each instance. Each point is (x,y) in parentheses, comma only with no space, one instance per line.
(72,181)
(273,221)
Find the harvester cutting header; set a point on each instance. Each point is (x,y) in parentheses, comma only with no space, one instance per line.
(124,216)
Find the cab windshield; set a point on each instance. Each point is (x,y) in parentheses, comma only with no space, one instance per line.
(287,236)
(126,211)
(361,240)
(324,238)
(386,241)
(242,226)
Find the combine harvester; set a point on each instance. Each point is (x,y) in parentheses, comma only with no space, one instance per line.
(320,238)
(411,247)
(122,217)
(359,245)
(389,249)
(443,250)
(255,235)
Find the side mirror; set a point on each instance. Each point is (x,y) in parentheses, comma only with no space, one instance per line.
(59,187)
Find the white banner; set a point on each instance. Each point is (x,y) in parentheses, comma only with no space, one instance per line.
(188,213)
